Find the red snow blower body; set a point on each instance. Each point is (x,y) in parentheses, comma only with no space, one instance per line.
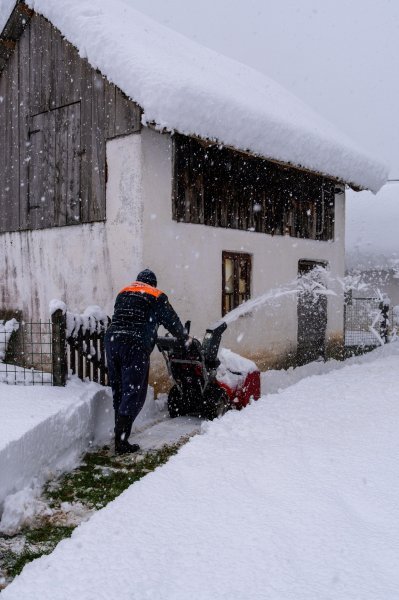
(197,389)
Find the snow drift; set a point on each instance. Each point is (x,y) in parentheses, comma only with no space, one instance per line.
(293,498)
(44,429)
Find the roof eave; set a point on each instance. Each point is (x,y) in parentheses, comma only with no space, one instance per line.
(16,23)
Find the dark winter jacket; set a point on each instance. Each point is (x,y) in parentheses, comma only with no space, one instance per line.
(139,310)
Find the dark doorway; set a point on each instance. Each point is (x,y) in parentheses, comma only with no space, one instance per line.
(312,312)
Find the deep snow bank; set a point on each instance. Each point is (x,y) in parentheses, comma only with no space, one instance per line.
(277,380)
(43,429)
(293,498)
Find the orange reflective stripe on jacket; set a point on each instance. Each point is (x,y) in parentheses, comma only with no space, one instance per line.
(142,288)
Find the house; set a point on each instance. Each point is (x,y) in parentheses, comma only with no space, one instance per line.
(372,250)
(124,144)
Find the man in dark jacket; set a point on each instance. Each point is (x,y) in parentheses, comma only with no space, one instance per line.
(139,310)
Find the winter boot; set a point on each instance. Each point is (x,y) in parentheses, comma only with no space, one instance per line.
(123,427)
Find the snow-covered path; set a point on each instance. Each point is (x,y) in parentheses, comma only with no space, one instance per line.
(296,497)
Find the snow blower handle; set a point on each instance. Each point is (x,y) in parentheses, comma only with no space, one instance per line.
(169,343)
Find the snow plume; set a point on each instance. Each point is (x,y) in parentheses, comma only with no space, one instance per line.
(353,282)
(6,330)
(314,283)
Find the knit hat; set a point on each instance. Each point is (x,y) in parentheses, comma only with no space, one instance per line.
(147,276)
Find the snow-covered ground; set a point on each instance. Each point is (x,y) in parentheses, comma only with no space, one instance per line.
(44,429)
(293,498)
(276,380)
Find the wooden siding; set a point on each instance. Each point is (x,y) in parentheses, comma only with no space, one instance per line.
(223,188)
(56,113)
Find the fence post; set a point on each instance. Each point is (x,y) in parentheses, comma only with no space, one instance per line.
(59,352)
(384,308)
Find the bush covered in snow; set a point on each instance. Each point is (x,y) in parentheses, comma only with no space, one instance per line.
(6,330)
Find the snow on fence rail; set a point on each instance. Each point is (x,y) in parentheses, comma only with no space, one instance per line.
(79,343)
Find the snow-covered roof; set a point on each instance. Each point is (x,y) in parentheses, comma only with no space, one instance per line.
(185,87)
(372,237)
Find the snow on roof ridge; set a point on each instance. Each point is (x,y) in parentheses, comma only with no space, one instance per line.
(185,87)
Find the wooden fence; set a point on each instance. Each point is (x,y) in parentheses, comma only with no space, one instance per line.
(79,350)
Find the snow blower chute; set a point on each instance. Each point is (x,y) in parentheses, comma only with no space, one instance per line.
(198,389)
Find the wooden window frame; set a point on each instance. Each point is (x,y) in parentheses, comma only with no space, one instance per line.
(236,257)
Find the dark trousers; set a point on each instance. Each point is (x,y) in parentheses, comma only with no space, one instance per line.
(128,367)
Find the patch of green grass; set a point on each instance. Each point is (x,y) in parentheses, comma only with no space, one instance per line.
(39,541)
(102,477)
(98,480)
(48,534)
(14,563)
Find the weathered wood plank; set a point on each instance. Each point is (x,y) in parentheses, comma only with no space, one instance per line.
(98,123)
(72,199)
(109,104)
(61,164)
(11,216)
(3,151)
(42,171)
(86,141)
(24,142)
(127,115)
(52,75)
(48,66)
(35,67)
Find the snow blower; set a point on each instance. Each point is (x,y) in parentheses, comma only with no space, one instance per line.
(197,389)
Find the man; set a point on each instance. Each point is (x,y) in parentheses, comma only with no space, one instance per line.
(139,310)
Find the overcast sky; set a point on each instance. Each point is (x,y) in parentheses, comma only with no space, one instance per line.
(340,56)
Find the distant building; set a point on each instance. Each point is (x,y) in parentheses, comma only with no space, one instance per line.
(124,145)
(372,241)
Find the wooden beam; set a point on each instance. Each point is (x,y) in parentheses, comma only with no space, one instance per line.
(6,49)
(17,22)
(12,31)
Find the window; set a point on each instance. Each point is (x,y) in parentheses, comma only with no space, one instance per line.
(236,280)
(220,187)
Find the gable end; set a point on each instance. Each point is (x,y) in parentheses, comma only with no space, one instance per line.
(56,114)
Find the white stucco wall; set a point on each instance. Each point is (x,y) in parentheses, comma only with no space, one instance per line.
(82,264)
(88,264)
(188,261)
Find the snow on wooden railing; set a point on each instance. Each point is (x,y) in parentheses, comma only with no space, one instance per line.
(78,343)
